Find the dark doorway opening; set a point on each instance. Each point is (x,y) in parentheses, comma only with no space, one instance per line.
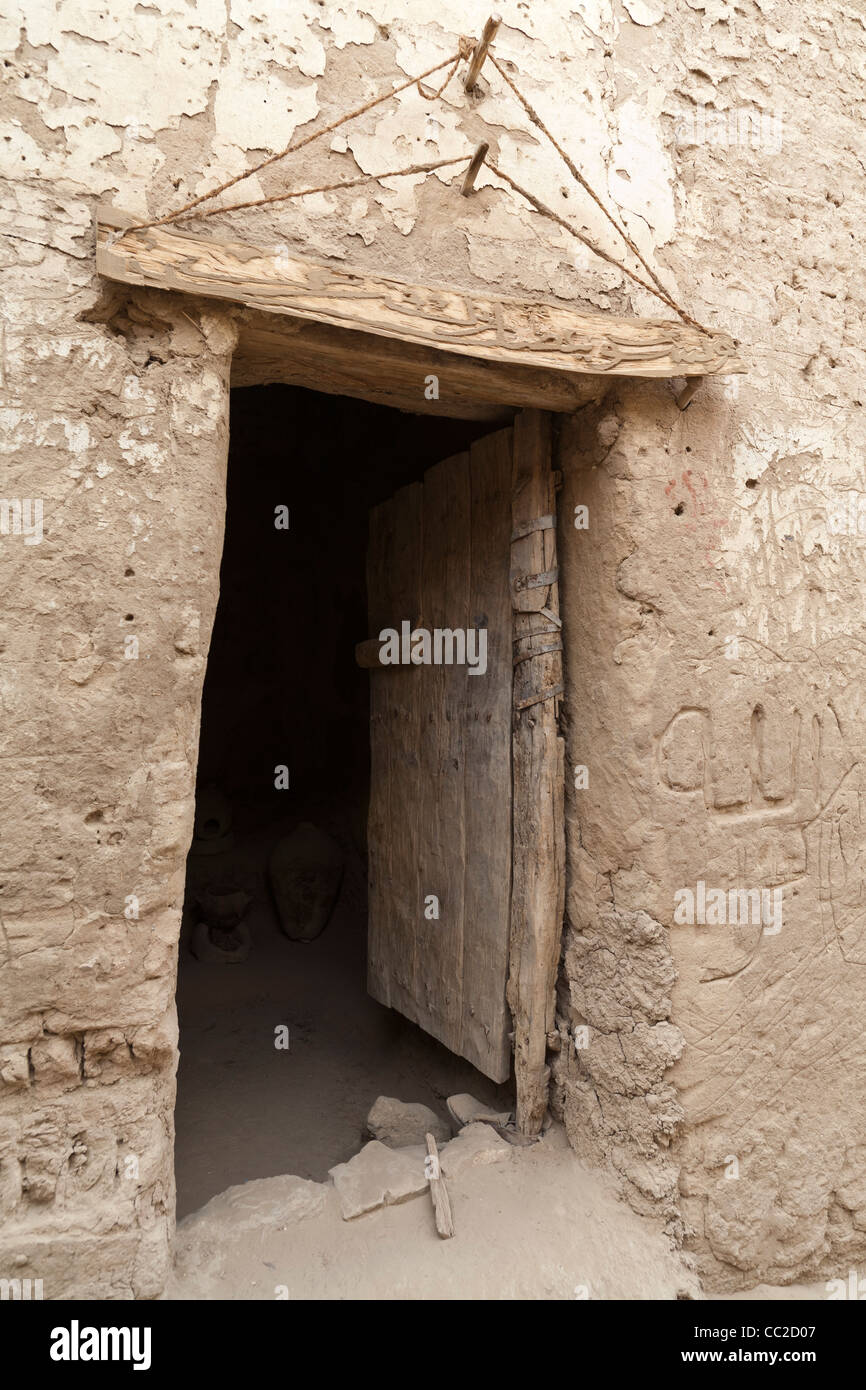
(282,1052)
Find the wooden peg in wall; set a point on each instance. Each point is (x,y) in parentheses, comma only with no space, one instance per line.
(688,391)
(481,50)
(472,172)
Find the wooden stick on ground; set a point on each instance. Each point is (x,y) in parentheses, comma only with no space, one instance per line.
(474,167)
(480,53)
(438,1191)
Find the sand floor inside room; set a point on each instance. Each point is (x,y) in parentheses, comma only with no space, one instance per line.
(247,1109)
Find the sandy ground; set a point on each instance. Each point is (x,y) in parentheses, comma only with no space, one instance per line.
(246,1110)
(539,1225)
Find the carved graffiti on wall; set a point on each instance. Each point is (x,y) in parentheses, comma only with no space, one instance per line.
(782,803)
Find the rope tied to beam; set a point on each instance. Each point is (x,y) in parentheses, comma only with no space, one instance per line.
(453,60)
(605,255)
(573,169)
(465,50)
(331,187)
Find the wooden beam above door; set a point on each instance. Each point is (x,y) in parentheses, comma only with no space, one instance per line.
(356,333)
(391,371)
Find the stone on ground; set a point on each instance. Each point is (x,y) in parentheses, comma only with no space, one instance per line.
(379,1177)
(209,1238)
(475,1144)
(465,1110)
(249,1205)
(399,1123)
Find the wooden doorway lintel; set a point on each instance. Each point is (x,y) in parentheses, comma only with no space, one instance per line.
(357,332)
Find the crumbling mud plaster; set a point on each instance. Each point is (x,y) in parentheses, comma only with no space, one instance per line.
(122,432)
(714,653)
(708,599)
(709,758)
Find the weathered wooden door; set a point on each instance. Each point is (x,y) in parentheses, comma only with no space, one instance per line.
(465,834)
(439,831)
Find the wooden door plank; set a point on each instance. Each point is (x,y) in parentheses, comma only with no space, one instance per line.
(440,803)
(539,836)
(441,701)
(487,788)
(394,579)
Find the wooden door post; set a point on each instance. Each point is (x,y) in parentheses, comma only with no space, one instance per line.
(538,888)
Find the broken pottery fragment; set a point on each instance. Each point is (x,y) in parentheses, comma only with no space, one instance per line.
(212,832)
(305,872)
(220,936)
(214,945)
(223,903)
